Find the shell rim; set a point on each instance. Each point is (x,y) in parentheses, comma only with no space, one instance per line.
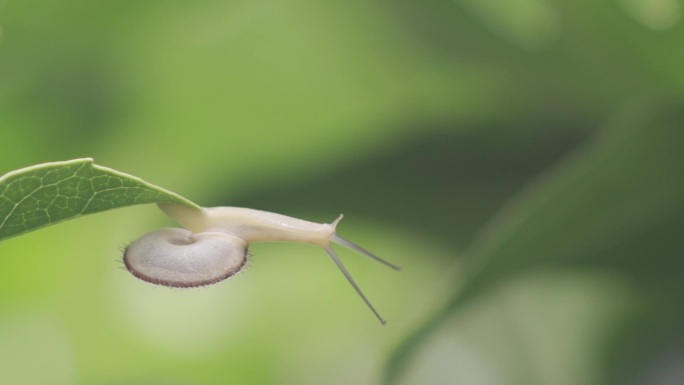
(181,285)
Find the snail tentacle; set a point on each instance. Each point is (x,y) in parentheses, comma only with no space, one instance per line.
(356,287)
(351,245)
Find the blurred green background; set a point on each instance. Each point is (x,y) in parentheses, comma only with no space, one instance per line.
(522,160)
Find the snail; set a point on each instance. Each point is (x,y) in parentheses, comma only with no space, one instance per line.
(213,245)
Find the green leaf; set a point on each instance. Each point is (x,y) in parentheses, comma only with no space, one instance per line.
(625,186)
(49,193)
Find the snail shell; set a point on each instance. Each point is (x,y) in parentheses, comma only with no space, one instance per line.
(177,258)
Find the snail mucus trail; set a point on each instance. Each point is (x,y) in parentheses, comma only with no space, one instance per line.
(213,245)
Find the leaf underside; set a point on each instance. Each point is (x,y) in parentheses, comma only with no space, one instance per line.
(49,193)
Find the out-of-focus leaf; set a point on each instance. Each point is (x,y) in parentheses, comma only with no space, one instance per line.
(506,159)
(624,184)
(529,24)
(48,193)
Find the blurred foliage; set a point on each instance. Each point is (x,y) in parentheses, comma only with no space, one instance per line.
(521,160)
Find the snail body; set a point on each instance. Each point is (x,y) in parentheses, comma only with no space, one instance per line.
(213,246)
(252,225)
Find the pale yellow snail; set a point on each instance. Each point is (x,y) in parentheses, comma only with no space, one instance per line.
(214,246)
